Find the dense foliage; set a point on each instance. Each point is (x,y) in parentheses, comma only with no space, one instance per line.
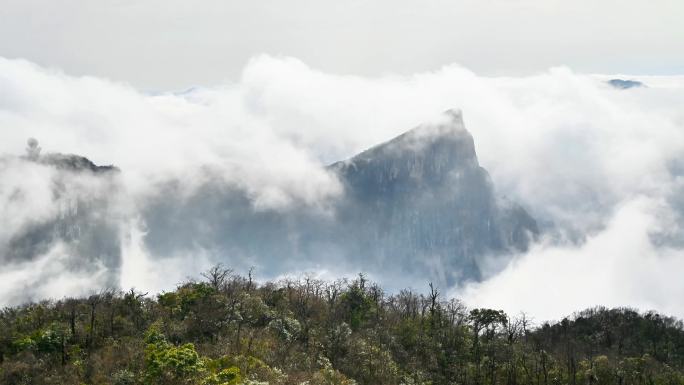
(226,329)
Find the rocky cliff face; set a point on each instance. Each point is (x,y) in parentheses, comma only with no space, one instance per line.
(80,226)
(421,201)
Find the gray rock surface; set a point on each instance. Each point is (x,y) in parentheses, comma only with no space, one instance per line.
(421,201)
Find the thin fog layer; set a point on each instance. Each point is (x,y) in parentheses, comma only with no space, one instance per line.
(601,169)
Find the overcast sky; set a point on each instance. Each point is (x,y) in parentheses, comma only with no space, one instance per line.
(173,44)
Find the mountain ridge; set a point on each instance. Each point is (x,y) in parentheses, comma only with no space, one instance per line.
(418,206)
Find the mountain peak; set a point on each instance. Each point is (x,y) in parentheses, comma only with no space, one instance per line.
(449,123)
(427,152)
(625,84)
(423,197)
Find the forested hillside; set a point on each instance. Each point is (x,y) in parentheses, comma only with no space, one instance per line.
(227,329)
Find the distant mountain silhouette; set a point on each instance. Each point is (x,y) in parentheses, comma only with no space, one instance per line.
(625,84)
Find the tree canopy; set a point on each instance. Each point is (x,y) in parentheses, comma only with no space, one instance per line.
(227,329)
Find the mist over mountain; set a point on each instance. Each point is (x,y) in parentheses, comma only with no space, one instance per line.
(266,172)
(77,232)
(417,206)
(422,202)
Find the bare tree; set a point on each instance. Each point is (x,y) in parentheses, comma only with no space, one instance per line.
(218,276)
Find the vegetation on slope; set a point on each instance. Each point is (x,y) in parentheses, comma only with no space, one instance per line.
(227,329)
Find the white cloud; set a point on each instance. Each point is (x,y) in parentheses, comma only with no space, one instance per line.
(156,137)
(143,273)
(49,276)
(618,266)
(594,161)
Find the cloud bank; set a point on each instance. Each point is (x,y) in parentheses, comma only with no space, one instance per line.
(600,168)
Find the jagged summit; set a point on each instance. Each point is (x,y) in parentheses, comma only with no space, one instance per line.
(425,154)
(449,127)
(75,163)
(68,162)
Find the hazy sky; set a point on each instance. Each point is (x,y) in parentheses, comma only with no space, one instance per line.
(172,44)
